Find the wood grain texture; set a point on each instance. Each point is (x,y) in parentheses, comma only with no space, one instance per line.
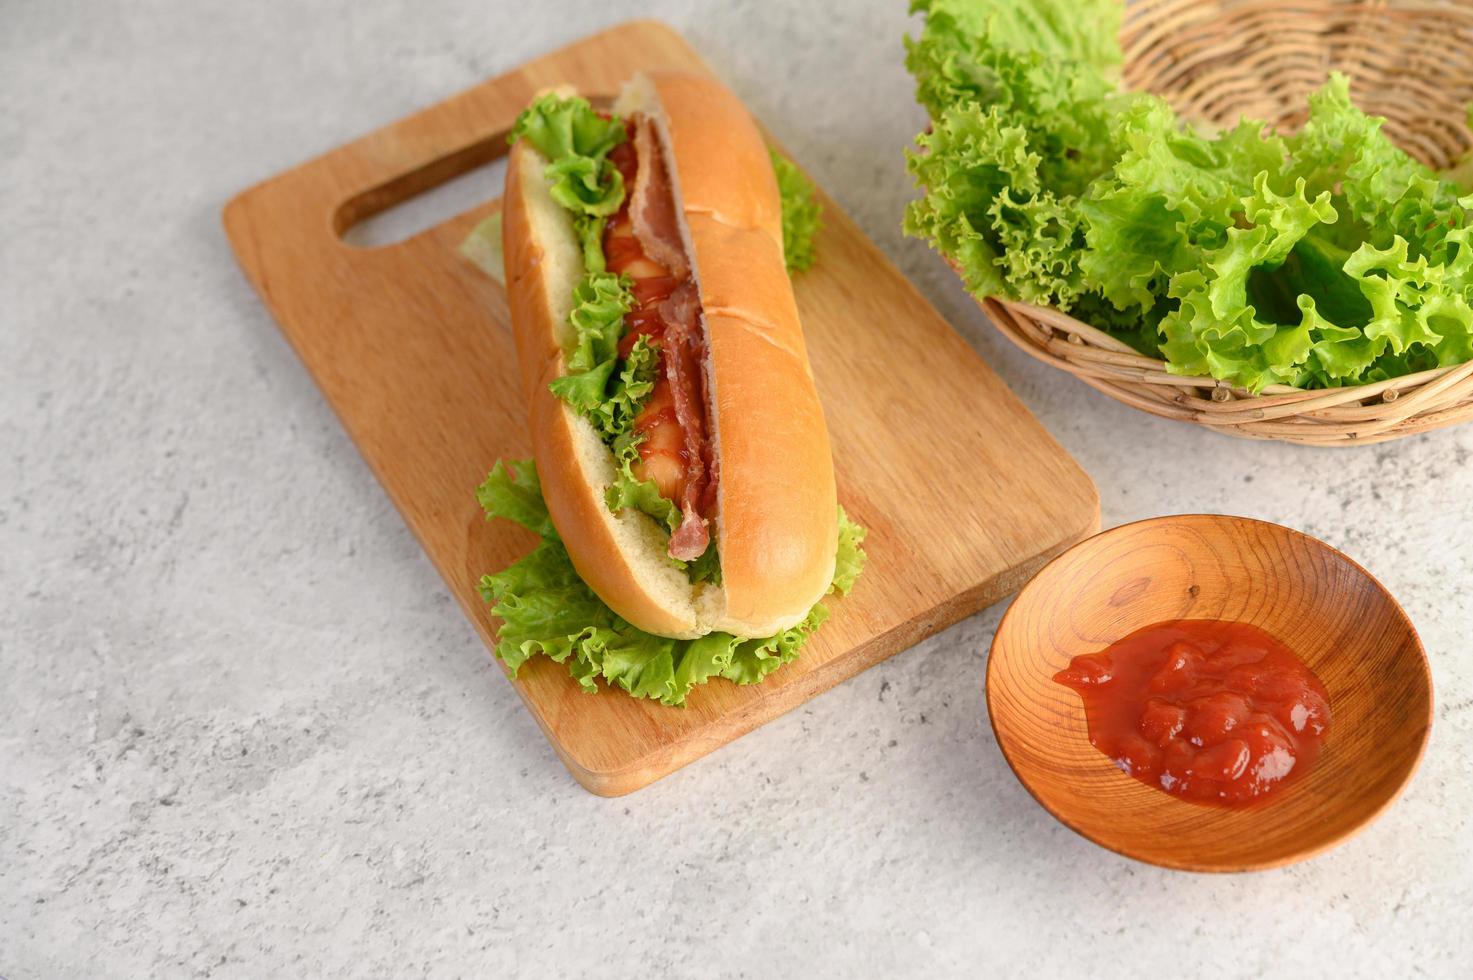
(964,493)
(1324,606)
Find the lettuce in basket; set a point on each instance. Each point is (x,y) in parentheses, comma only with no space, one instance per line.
(1325,258)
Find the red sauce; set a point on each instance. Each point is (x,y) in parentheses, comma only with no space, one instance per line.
(1211,712)
(662,453)
(674,452)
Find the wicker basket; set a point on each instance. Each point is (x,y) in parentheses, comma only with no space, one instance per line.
(1221,59)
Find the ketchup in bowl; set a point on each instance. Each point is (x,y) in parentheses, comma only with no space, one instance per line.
(1212,712)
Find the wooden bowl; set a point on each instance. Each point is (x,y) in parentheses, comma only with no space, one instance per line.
(1328,609)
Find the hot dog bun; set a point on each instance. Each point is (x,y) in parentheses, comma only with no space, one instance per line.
(776,514)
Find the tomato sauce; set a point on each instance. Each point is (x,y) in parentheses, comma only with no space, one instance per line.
(1212,712)
(661,453)
(674,450)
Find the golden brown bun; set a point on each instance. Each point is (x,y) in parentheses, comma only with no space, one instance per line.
(777,528)
(776,523)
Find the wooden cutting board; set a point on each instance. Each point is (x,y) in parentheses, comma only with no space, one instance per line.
(965,495)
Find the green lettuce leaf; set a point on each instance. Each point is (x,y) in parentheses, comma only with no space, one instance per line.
(752,660)
(983,194)
(1050,65)
(1284,302)
(610,395)
(600,301)
(1172,195)
(1382,190)
(1419,309)
(1325,258)
(802,215)
(1036,32)
(628,491)
(1216,330)
(1020,96)
(516,494)
(612,392)
(576,141)
(851,557)
(546,609)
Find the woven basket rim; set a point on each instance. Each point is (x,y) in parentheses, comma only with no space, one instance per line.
(1066,324)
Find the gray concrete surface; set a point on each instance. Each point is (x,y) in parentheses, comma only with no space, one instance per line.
(244,731)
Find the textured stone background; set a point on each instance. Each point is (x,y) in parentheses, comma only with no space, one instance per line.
(243,730)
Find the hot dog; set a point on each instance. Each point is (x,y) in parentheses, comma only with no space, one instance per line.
(677,431)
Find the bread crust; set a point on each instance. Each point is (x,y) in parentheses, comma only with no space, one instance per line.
(776,517)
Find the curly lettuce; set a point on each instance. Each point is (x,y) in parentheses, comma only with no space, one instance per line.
(802,214)
(576,141)
(547,610)
(1325,258)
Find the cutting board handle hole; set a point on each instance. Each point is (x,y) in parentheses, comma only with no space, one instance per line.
(424,197)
